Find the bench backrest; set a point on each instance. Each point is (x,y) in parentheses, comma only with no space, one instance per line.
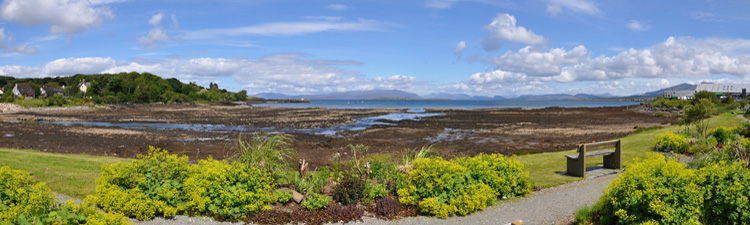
(582,148)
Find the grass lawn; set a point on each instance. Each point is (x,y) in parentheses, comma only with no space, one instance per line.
(544,168)
(70,174)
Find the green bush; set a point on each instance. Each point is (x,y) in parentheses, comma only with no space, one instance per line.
(231,191)
(444,188)
(313,182)
(282,196)
(349,190)
(654,190)
(25,201)
(504,175)
(704,145)
(143,188)
(671,142)
(375,190)
(722,135)
(727,196)
(316,201)
(56,100)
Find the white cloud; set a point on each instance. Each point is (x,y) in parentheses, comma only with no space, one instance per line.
(497,82)
(157,34)
(534,62)
(503,28)
(288,73)
(460,46)
(338,7)
(635,25)
(675,57)
(63,16)
(288,29)
(555,7)
(6,44)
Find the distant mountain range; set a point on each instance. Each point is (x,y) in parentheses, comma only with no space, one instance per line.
(397,94)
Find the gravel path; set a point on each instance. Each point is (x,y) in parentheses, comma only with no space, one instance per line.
(555,205)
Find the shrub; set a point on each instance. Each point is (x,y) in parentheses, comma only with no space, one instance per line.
(56,100)
(504,175)
(387,207)
(654,190)
(313,182)
(722,135)
(726,193)
(268,153)
(704,145)
(316,201)
(671,142)
(382,170)
(231,191)
(345,214)
(443,188)
(282,196)
(21,195)
(25,201)
(143,188)
(375,190)
(349,190)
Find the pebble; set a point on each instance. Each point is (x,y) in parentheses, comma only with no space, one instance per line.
(8,107)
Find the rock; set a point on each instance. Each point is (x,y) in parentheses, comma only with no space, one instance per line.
(297,197)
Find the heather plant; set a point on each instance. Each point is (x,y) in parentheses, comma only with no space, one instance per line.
(229,190)
(143,188)
(387,207)
(349,190)
(671,142)
(270,153)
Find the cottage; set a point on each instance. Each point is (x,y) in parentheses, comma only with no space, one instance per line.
(84,86)
(25,91)
(50,91)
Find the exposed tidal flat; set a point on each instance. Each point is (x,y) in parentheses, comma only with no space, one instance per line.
(317,133)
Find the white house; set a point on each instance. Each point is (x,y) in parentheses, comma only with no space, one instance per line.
(83,86)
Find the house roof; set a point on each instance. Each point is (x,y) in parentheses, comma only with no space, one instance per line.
(25,89)
(53,90)
(88,84)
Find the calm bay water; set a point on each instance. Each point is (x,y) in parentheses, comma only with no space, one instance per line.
(456,104)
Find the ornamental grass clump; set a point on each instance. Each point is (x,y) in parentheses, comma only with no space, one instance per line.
(25,201)
(268,153)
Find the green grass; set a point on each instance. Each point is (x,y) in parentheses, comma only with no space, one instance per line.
(70,174)
(544,168)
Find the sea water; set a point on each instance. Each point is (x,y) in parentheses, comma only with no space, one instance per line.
(442,104)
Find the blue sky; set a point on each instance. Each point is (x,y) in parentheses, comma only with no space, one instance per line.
(474,47)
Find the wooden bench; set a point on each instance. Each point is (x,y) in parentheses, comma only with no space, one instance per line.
(612,160)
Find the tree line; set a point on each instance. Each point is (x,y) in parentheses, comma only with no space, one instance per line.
(124,87)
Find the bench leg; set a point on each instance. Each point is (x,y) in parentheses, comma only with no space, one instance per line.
(577,167)
(612,161)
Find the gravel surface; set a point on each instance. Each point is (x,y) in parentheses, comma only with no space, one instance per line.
(556,205)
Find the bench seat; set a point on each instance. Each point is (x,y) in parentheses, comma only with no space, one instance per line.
(592,154)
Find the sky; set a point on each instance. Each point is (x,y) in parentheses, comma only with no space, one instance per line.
(475,47)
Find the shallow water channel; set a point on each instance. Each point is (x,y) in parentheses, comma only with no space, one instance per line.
(358,124)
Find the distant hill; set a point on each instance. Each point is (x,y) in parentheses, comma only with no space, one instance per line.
(371,94)
(654,94)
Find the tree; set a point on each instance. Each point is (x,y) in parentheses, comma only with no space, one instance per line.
(699,114)
(705,95)
(743,103)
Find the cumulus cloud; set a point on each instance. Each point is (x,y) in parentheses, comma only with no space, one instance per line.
(534,62)
(6,44)
(288,73)
(338,7)
(635,25)
(288,29)
(503,28)
(555,7)
(63,16)
(497,82)
(157,34)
